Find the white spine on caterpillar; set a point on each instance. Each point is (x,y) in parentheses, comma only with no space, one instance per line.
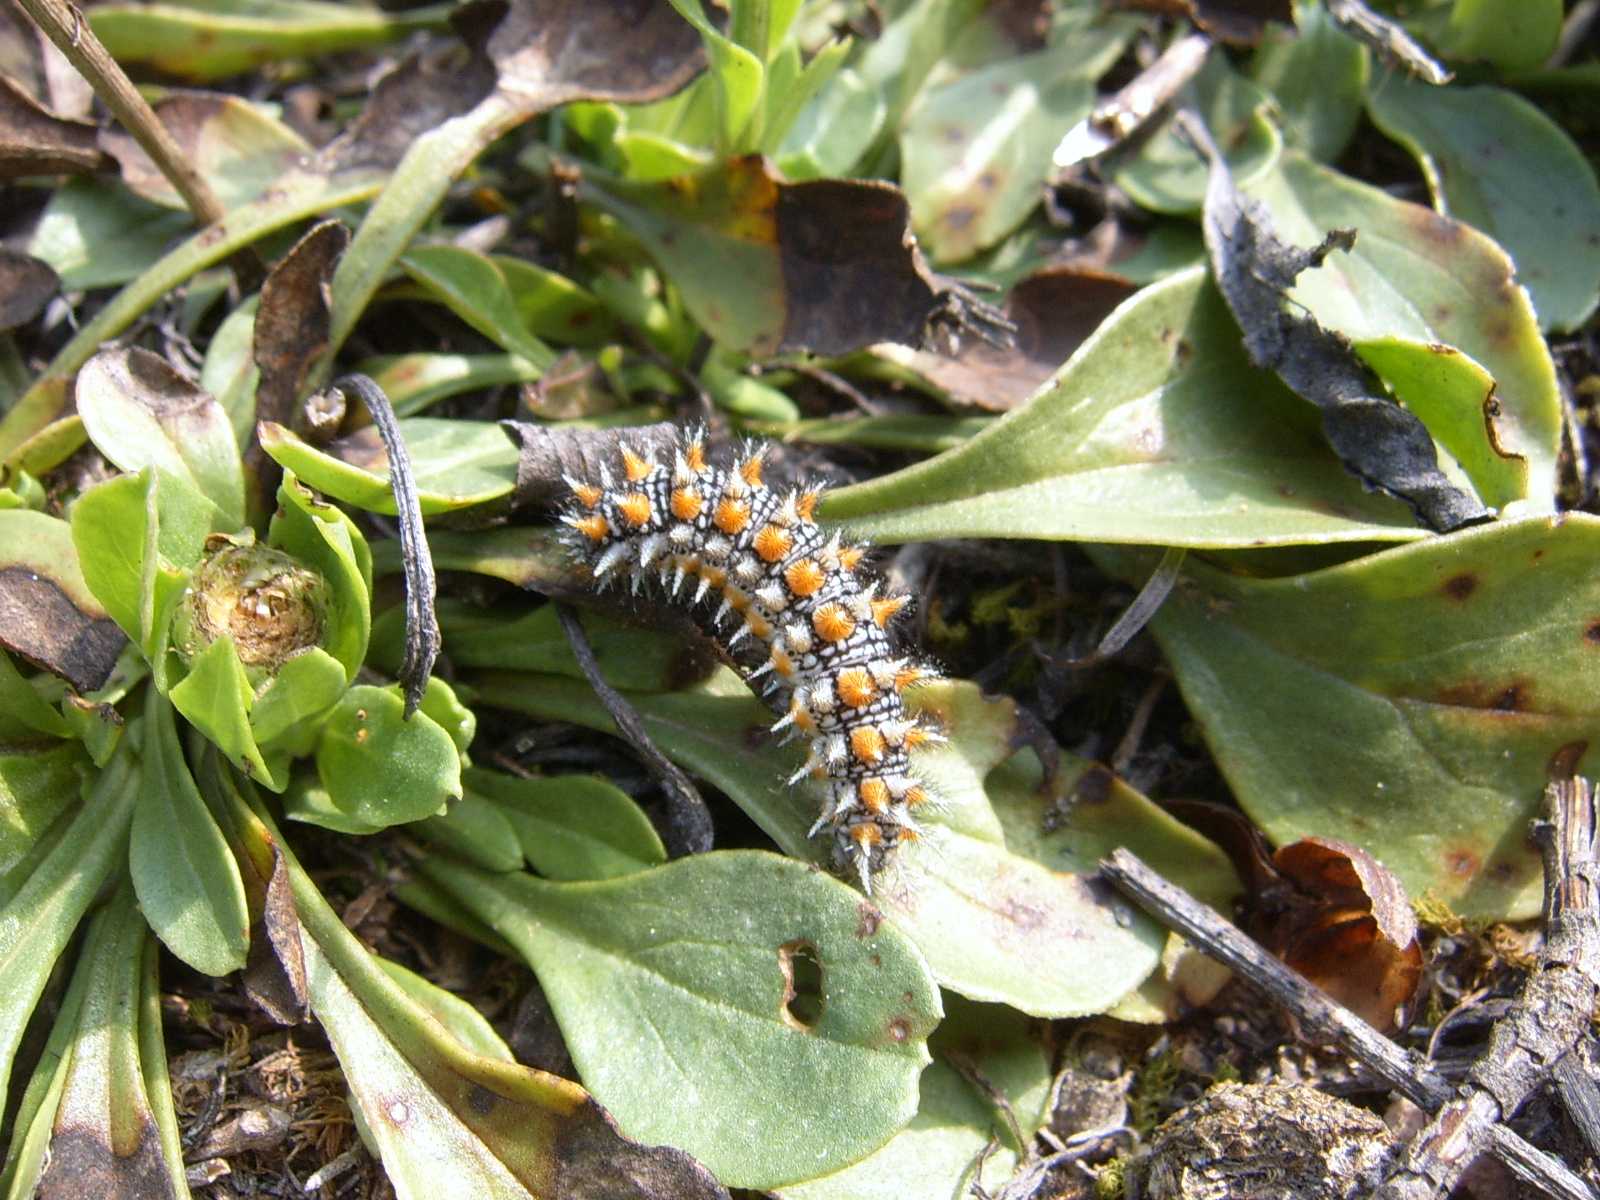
(775,578)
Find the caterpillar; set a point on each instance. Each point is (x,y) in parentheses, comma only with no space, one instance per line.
(782,582)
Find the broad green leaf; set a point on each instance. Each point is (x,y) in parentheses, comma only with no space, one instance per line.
(1456,399)
(792,85)
(218,38)
(96,234)
(462,1021)
(994,921)
(239,150)
(305,687)
(105,1120)
(139,538)
(457,464)
(1163,172)
(188,882)
(39,781)
(1413,701)
(1157,430)
(933,1158)
(326,540)
(54,617)
(1318,75)
(381,769)
(672,987)
(414,381)
(439,701)
(1514,37)
(22,708)
(922,433)
(572,827)
(975,153)
(449,1122)
(1418,275)
(40,912)
(1496,162)
(216,697)
(629,657)
(737,77)
(141,413)
(474,287)
(475,831)
(553,306)
(833,132)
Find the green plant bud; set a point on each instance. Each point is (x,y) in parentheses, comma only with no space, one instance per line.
(272,606)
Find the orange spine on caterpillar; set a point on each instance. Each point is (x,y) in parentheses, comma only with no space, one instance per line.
(784,582)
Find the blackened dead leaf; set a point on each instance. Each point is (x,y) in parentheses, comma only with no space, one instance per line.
(1052,311)
(1353,932)
(26,285)
(767,266)
(1381,443)
(1239,22)
(34,141)
(47,613)
(547,457)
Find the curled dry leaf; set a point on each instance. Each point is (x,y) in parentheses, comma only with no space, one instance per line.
(34,141)
(48,615)
(26,285)
(1351,931)
(1381,443)
(291,329)
(1053,311)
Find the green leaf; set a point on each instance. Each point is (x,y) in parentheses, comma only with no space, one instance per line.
(995,921)
(833,132)
(1496,162)
(230,373)
(1318,75)
(935,1155)
(305,687)
(1163,172)
(188,882)
(457,464)
(553,306)
(324,539)
(39,781)
(95,234)
(463,1022)
(1412,702)
(1514,37)
(414,381)
(439,701)
(218,38)
(141,413)
(670,987)
(975,153)
(41,910)
(1157,430)
(381,769)
(448,1121)
(96,1094)
(139,537)
(21,705)
(1418,275)
(1456,399)
(738,78)
(572,827)
(216,697)
(474,287)
(475,831)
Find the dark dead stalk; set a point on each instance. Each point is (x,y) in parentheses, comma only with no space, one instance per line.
(1548,1022)
(422,625)
(688,820)
(1322,1019)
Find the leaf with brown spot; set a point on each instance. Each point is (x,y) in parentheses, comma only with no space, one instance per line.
(237,148)
(26,285)
(1409,702)
(1351,929)
(1054,311)
(34,141)
(767,266)
(48,615)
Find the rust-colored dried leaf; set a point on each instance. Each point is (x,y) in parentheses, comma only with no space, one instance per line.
(275,974)
(34,141)
(291,331)
(1352,930)
(26,285)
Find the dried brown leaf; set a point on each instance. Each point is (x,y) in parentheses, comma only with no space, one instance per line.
(34,141)
(26,285)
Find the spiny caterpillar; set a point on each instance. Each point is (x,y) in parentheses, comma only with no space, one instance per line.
(782,581)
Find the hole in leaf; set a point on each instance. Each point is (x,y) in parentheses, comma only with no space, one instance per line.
(802,984)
